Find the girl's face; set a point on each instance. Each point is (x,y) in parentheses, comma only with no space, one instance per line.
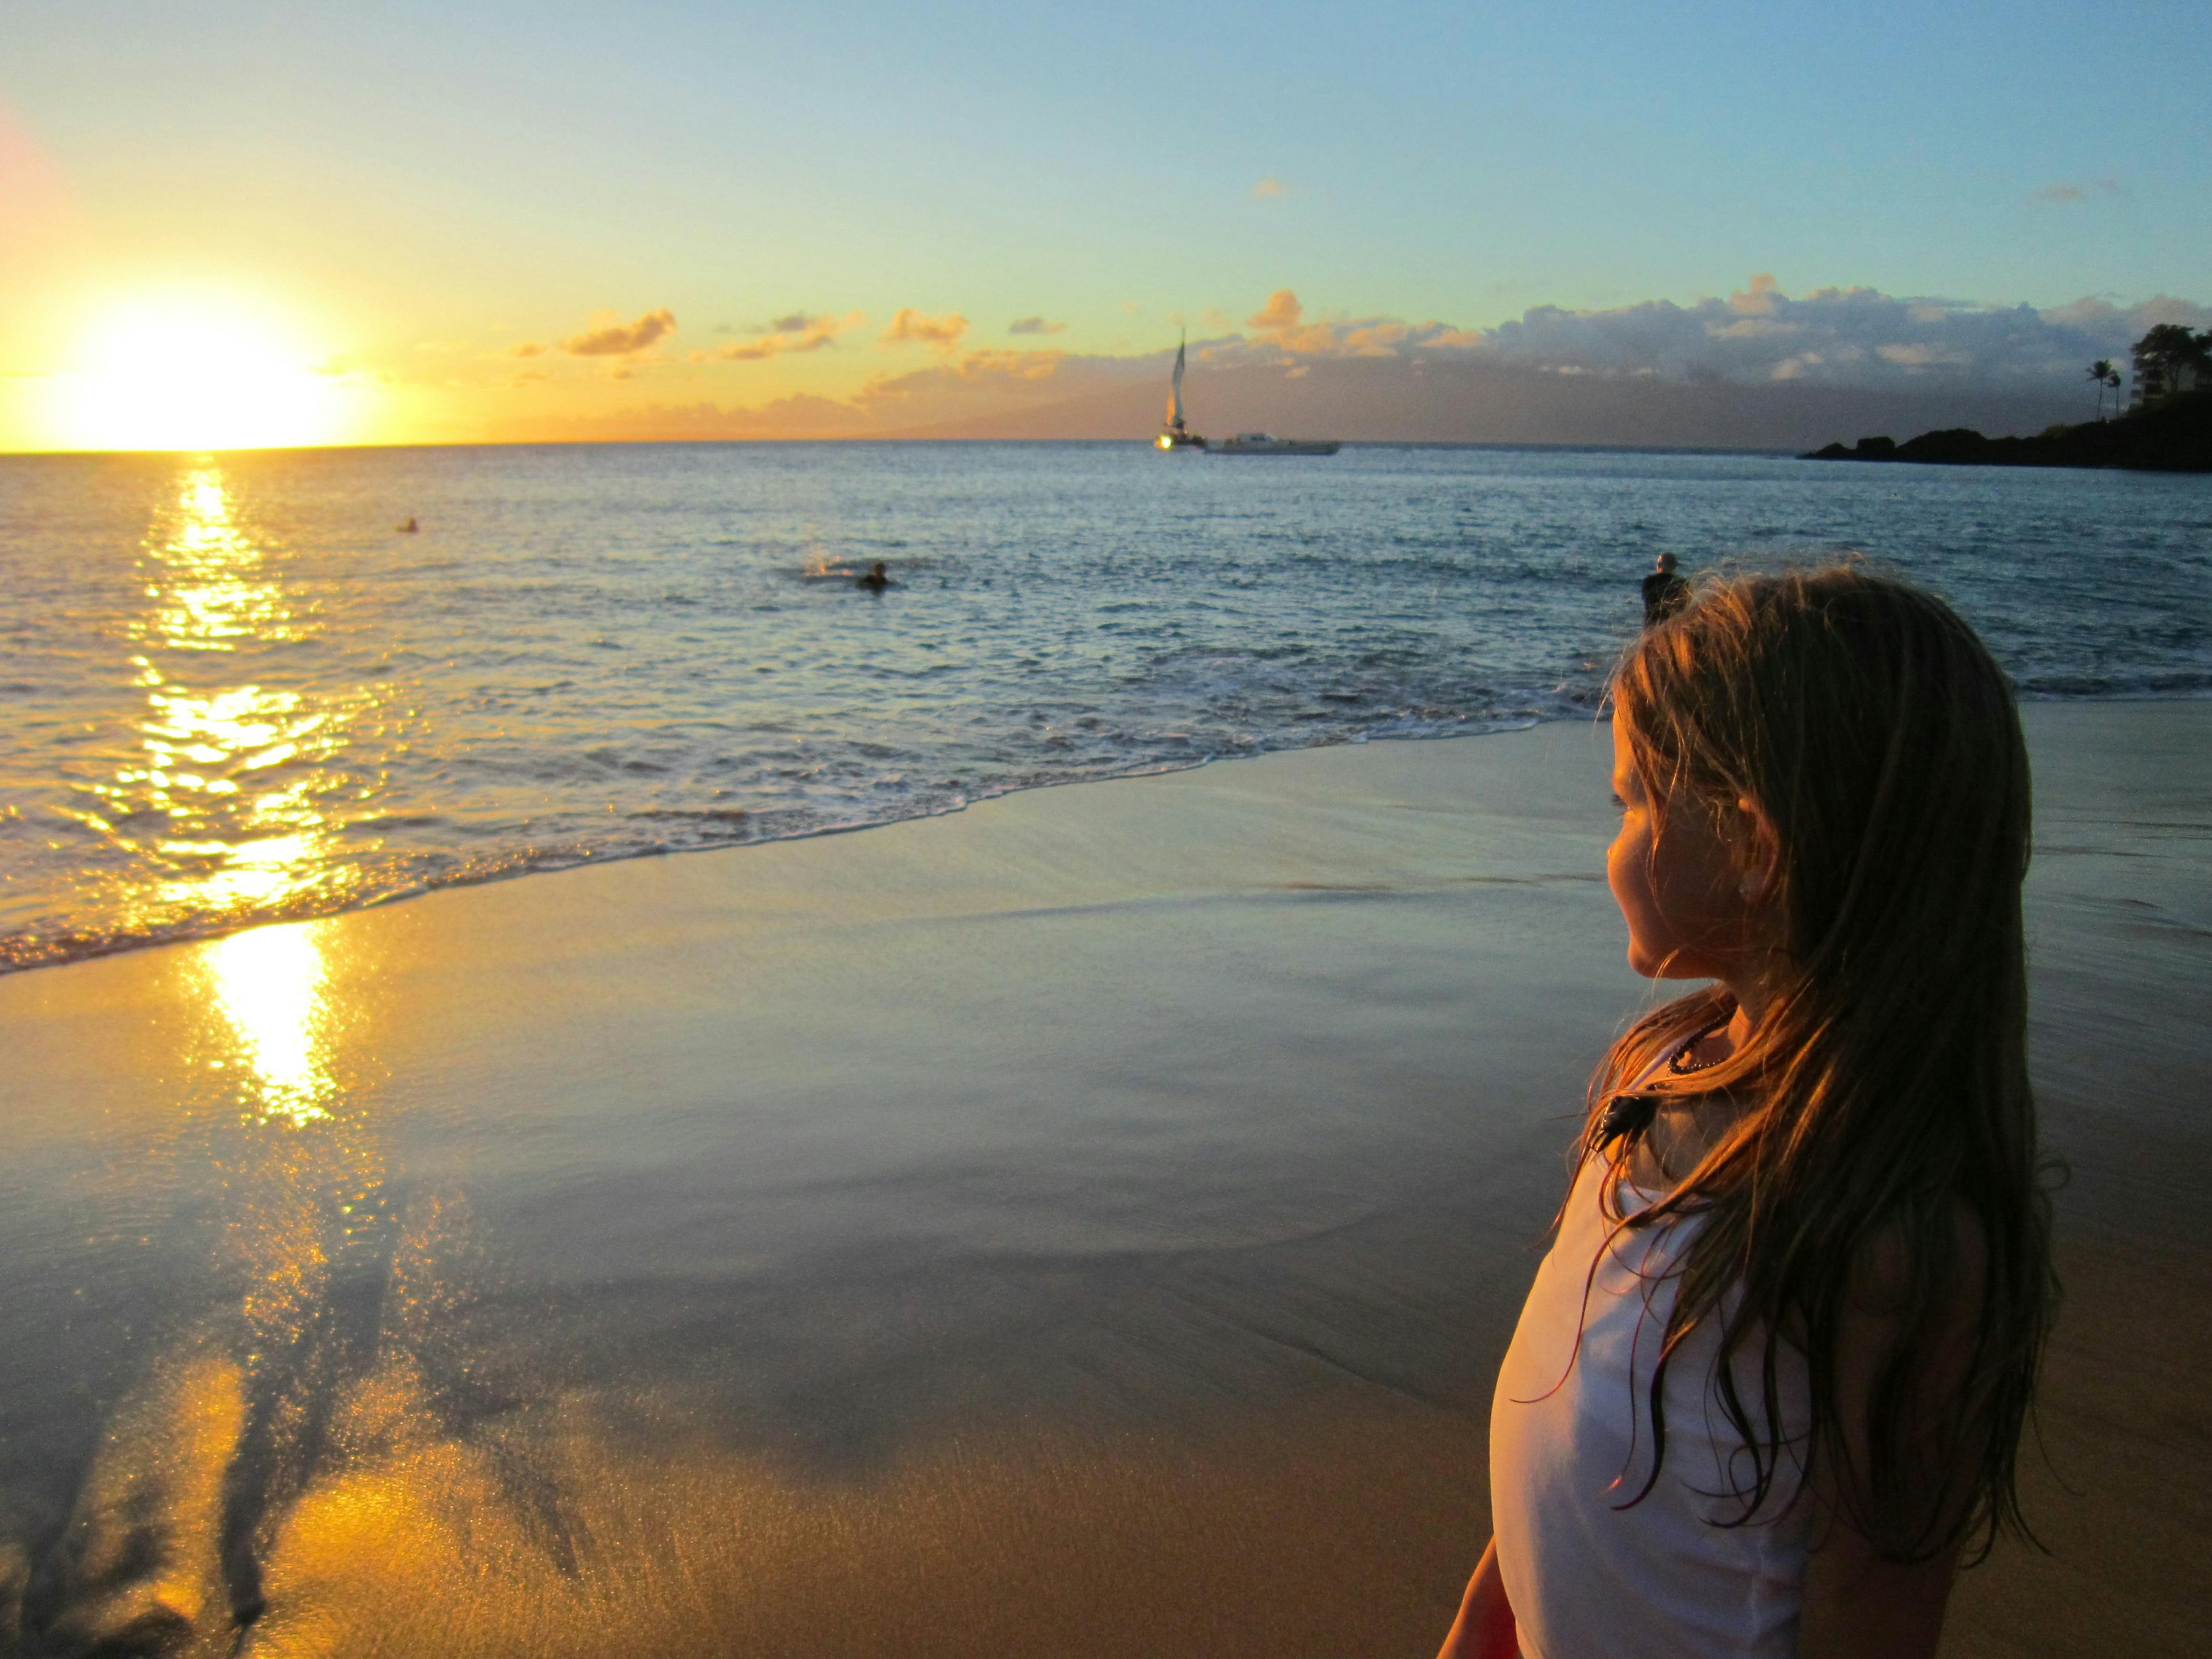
(1681,885)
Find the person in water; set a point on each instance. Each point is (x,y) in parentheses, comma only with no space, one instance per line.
(1770,1381)
(875,581)
(1664,592)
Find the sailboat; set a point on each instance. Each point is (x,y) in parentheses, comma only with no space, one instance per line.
(1177,436)
(1263,443)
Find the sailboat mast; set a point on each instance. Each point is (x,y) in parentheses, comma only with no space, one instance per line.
(1175,396)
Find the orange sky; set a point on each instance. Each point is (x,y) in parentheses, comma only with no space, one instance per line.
(418,223)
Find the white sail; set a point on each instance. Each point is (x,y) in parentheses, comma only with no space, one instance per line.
(1175,396)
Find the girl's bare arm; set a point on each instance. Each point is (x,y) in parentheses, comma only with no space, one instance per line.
(1860,1604)
(1485,1627)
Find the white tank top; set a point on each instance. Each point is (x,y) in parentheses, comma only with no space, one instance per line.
(1570,1440)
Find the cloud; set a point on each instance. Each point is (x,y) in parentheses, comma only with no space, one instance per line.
(1282,323)
(615,339)
(946,390)
(1845,337)
(530,349)
(1921,354)
(910,327)
(800,332)
(1033,325)
(2066,192)
(1725,368)
(1855,337)
(801,415)
(1281,311)
(1268,188)
(1758,300)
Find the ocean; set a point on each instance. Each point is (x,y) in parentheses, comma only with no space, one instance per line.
(237,691)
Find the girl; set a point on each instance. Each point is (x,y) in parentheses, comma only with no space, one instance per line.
(1771,1378)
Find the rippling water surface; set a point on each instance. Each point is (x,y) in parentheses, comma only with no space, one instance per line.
(236,692)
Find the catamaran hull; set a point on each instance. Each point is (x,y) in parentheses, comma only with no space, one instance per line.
(1273,446)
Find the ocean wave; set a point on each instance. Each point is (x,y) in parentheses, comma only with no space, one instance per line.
(207,732)
(674,831)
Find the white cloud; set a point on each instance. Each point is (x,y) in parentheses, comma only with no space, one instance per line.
(1840,336)
(1854,338)
(1758,300)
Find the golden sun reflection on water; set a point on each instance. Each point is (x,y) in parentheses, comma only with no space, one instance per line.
(214,592)
(269,984)
(224,807)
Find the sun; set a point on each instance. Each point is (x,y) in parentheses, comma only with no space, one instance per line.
(195,375)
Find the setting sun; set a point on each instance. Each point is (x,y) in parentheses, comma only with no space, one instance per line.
(195,377)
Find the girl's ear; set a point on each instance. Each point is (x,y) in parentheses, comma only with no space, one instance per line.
(1755,848)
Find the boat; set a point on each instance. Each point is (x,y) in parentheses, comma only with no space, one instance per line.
(1260,443)
(1176,435)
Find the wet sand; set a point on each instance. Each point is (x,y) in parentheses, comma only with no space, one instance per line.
(1087,1224)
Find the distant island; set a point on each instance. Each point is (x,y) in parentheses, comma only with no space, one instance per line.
(2172,435)
(2169,429)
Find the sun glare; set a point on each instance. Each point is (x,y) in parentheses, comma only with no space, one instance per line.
(270,984)
(193,377)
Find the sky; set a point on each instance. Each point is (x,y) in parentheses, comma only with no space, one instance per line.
(397,222)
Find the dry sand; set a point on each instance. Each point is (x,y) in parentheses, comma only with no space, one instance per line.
(1088,1225)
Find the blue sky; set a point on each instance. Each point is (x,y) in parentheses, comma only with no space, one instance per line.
(426,178)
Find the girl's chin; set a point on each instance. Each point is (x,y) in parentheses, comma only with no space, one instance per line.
(1645,965)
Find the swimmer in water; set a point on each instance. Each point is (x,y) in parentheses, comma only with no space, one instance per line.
(409,527)
(875,581)
(1664,592)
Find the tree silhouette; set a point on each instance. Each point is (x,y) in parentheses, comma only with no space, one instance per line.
(2175,353)
(2102,373)
(2111,380)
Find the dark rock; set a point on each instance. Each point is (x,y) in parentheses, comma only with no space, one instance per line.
(1954,444)
(2172,435)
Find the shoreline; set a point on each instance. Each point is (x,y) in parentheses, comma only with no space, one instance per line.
(1087,1222)
(202,934)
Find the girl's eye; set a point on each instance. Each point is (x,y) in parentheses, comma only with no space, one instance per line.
(1619,805)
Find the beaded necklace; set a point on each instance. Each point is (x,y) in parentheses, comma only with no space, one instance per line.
(1631,1115)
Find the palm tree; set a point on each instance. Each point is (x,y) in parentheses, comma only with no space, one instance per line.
(2111,380)
(2102,373)
(2172,355)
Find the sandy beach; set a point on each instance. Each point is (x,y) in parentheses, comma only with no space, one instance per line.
(1086,1225)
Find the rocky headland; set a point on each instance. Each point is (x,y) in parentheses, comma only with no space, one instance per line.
(2173,435)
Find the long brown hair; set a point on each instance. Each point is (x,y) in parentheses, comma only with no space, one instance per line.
(1884,1107)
